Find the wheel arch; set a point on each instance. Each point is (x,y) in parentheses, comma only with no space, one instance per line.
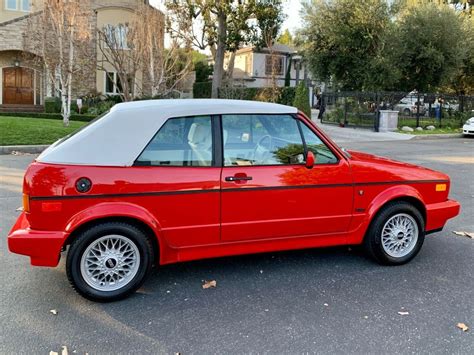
(397,193)
(131,214)
(412,200)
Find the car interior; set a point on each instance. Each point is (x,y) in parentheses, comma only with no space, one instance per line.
(247,139)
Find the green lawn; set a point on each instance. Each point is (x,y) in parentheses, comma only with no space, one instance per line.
(446,130)
(24,131)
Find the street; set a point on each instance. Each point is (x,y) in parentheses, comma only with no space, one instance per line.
(322,300)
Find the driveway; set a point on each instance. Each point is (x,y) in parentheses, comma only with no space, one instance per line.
(326,301)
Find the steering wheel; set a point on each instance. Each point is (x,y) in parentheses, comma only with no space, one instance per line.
(262,153)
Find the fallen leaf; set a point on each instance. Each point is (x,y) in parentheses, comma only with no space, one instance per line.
(53,353)
(463,327)
(16,152)
(19,209)
(465,234)
(53,311)
(403,313)
(209,284)
(64,350)
(326,305)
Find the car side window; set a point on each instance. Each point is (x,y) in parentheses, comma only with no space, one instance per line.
(261,140)
(321,151)
(185,141)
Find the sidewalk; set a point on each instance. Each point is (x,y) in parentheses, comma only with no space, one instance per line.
(346,134)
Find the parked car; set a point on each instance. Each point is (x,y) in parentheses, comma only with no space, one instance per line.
(446,106)
(468,128)
(165,181)
(408,106)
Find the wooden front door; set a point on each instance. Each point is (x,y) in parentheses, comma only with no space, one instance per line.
(18,86)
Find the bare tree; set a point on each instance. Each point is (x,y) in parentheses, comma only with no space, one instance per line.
(164,69)
(60,36)
(117,54)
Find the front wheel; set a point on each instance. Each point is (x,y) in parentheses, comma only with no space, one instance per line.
(396,234)
(109,261)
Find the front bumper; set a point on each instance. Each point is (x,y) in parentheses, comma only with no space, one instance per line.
(437,214)
(468,129)
(43,247)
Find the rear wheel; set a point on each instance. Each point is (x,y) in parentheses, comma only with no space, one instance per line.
(109,261)
(396,234)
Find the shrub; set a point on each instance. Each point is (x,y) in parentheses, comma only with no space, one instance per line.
(52,105)
(202,90)
(287,96)
(301,101)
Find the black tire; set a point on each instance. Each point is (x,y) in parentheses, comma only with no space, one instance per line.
(83,240)
(373,239)
(407,112)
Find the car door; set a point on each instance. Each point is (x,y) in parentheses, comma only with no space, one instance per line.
(268,192)
(178,170)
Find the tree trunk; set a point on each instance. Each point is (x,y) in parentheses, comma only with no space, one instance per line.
(230,67)
(220,52)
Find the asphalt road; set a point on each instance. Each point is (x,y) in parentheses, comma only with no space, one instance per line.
(326,301)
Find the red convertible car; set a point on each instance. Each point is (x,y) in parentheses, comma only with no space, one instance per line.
(158,182)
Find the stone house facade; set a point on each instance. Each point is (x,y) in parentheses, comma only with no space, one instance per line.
(23,81)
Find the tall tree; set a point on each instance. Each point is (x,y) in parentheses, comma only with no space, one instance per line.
(432,46)
(61,34)
(286,38)
(215,25)
(345,41)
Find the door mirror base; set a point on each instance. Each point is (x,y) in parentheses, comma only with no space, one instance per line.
(310,160)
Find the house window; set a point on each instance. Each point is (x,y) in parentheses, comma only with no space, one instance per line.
(116,36)
(273,65)
(11,4)
(248,64)
(25,5)
(113,86)
(18,5)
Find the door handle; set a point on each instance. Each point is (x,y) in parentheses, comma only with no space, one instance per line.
(238,178)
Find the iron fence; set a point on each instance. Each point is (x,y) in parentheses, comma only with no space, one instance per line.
(415,109)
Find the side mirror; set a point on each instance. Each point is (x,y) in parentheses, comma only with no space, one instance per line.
(310,159)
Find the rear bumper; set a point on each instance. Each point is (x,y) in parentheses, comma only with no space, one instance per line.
(437,214)
(43,247)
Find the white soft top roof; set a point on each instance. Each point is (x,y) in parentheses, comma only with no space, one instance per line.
(120,136)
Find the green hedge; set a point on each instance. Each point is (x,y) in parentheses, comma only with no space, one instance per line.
(52,116)
(284,95)
(301,101)
(202,90)
(52,105)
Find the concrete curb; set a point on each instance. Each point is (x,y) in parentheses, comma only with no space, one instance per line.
(437,136)
(31,149)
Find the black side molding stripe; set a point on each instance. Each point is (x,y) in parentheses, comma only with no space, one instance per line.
(238,189)
(406,182)
(136,194)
